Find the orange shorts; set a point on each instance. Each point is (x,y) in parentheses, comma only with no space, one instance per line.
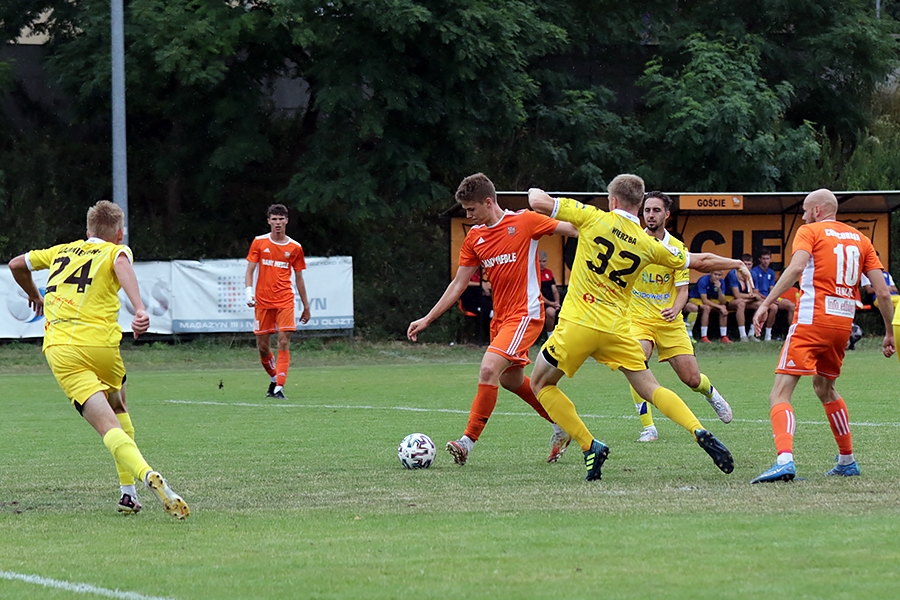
(270,320)
(812,350)
(513,338)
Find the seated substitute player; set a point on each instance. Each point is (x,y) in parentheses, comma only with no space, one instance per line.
(657,298)
(82,337)
(763,281)
(612,251)
(277,255)
(828,258)
(550,293)
(752,299)
(709,295)
(505,245)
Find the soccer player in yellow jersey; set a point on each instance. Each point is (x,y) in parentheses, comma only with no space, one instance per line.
(82,336)
(611,253)
(657,298)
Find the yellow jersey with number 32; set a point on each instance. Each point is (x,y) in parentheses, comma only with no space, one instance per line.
(612,251)
(81,303)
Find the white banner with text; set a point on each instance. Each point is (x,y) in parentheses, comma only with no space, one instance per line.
(186,296)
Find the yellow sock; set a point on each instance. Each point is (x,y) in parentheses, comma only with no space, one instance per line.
(674,407)
(704,387)
(896,328)
(126,453)
(125,476)
(691,319)
(563,413)
(643,409)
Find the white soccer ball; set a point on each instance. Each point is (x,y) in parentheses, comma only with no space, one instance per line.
(416,451)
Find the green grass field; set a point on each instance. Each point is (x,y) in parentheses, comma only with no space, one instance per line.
(305,498)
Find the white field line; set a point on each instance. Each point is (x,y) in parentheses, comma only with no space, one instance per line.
(80,588)
(465,412)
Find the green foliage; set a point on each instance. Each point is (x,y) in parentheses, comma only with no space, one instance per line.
(715,124)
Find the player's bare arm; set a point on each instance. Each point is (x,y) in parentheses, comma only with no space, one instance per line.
(19,268)
(248,281)
(706,262)
(540,201)
(301,289)
(886,308)
(448,299)
(674,311)
(788,278)
(128,280)
(565,229)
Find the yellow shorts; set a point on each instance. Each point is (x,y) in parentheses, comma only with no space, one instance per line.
(669,337)
(82,371)
(699,302)
(570,345)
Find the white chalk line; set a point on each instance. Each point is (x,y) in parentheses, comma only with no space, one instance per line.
(465,412)
(80,588)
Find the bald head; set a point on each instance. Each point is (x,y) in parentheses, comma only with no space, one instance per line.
(820,205)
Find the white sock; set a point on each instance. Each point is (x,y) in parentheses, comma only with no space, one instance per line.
(466,442)
(845,459)
(723,331)
(129,489)
(272,379)
(557,428)
(743,333)
(784,458)
(277,389)
(703,331)
(768,333)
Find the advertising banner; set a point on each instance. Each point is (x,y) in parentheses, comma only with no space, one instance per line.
(197,297)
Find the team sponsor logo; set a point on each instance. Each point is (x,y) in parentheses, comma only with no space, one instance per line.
(840,307)
(500,259)
(842,235)
(278,264)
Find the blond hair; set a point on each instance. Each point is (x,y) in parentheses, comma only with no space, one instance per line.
(628,189)
(105,220)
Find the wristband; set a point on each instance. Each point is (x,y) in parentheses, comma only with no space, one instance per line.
(249,292)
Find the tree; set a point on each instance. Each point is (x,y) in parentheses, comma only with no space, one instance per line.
(715,125)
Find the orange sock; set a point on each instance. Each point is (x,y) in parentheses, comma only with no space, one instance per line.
(268,364)
(282,366)
(525,393)
(482,407)
(840,425)
(783,424)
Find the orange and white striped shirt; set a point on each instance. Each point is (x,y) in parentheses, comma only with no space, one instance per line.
(508,253)
(829,284)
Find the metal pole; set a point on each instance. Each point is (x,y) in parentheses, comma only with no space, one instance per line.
(120,159)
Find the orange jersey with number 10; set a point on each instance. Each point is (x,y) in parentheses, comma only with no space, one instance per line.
(829,284)
(277,262)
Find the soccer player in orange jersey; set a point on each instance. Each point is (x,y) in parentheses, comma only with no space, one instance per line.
(828,258)
(277,256)
(505,245)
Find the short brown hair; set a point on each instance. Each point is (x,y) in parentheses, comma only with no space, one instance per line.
(277,209)
(476,188)
(628,189)
(664,197)
(105,220)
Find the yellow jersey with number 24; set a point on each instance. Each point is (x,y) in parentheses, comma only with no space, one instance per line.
(612,251)
(81,303)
